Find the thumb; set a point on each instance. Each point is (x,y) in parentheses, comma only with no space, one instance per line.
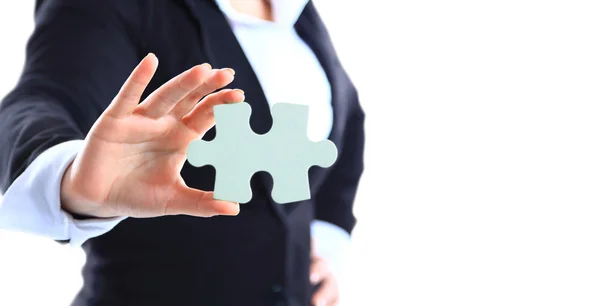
(194,202)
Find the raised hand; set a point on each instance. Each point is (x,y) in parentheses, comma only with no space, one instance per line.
(132,158)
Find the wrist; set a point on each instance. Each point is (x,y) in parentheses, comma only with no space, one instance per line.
(74,203)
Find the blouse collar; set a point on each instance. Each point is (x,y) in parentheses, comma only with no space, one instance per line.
(285,13)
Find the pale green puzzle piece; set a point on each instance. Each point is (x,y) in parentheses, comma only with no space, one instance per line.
(285,152)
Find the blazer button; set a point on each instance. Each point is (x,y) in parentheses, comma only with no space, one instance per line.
(277,288)
(278,294)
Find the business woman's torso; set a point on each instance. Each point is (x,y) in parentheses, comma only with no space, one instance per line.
(261,256)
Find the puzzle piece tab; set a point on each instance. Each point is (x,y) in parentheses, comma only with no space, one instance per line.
(285,152)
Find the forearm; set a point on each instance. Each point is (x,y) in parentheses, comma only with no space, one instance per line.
(71,73)
(334,202)
(28,127)
(77,58)
(32,202)
(38,141)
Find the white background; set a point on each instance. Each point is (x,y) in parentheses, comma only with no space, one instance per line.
(482,184)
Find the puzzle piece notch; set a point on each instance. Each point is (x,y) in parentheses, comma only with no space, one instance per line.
(285,152)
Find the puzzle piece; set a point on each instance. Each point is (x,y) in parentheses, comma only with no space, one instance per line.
(285,152)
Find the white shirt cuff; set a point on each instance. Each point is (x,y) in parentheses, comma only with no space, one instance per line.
(332,243)
(32,202)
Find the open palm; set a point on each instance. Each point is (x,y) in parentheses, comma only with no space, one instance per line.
(133,154)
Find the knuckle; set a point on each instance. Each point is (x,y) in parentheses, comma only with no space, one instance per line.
(196,96)
(137,82)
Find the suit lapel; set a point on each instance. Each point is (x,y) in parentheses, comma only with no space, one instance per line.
(223,50)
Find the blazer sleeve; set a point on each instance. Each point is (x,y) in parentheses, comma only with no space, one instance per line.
(77,58)
(335,199)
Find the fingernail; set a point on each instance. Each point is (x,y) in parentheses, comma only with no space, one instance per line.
(150,54)
(207,65)
(230,70)
(314,277)
(239,90)
(237,206)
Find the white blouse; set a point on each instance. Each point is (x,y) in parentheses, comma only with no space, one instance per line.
(287,69)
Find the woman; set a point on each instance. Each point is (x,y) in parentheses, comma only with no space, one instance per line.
(93,142)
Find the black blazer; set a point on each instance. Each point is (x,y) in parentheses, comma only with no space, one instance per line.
(78,57)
